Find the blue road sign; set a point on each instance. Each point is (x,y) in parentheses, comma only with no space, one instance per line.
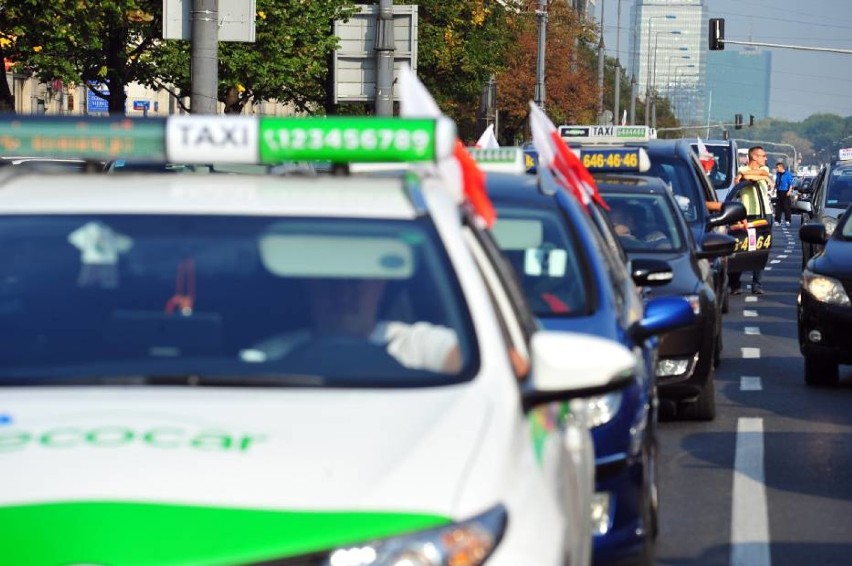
(95,103)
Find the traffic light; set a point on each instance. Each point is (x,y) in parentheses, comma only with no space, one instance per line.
(738,121)
(717,34)
(750,120)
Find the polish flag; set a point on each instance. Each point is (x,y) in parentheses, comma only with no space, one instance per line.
(555,154)
(705,157)
(459,172)
(488,140)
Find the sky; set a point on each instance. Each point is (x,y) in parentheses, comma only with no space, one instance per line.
(802,82)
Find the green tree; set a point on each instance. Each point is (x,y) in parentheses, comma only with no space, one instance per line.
(288,62)
(116,42)
(461,44)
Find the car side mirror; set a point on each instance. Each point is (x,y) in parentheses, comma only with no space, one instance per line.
(715,245)
(570,365)
(650,272)
(663,314)
(731,213)
(813,233)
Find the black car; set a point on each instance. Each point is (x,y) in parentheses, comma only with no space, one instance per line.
(754,236)
(650,225)
(831,195)
(824,308)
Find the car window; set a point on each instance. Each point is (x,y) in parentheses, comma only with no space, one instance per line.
(839,188)
(544,255)
(347,302)
(846,231)
(677,174)
(721,174)
(644,222)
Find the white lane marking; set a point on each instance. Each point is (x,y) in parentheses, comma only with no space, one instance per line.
(750,518)
(782,257)
(775,261)
(751,299)
(752,331)
(749,383)
(768,268)
(749,313)
(750,353)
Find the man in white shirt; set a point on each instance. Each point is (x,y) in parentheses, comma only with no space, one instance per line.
(349,308)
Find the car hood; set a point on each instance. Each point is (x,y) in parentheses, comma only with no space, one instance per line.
(163,476)
(836,260)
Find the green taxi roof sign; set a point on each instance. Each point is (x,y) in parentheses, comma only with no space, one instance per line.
(586,134)
(231,139)
(499,160)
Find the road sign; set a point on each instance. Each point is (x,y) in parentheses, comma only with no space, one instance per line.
(95,103)
(141,104)
(355,60)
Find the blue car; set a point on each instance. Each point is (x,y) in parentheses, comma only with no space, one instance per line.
(576,277)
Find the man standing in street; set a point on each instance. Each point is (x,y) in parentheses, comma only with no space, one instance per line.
(783,185)
(756,172)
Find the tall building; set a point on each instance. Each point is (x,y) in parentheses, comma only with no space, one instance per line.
(669,53)
(738,83)
(586,8)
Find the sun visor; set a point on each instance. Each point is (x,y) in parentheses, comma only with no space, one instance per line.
(301,255)
(517,234)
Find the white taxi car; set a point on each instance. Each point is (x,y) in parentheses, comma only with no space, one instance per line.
(238,369)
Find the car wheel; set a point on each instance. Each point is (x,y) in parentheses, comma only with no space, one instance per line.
(703,408)
(820,372)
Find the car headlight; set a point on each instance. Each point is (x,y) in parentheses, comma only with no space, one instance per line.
(825,289)
(467,543)
(830,225)
(669,367)
(598,410)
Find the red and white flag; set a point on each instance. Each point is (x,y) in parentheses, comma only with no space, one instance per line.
(555,154)
(705,157)
(460,173)
(488,140)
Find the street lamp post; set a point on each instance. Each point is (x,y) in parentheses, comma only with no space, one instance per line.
(541,17)
(669,67)
(616,97)
(679,87)
(648,64)
(653,75)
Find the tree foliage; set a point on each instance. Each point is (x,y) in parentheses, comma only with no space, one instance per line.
(461,44)
(570,89)
(117,42)
(288,61)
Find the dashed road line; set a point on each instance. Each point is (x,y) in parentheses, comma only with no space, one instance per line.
(750,313)
(750,383)
(775,261)
(750,517)
(750,353)
(751,299)
(752,331)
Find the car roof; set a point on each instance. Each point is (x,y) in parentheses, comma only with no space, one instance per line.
(251,195)
(508,187)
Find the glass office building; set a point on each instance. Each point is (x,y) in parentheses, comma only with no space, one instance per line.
(668,48)
(738,83)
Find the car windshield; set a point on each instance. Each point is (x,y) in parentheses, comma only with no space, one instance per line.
(677,173)
(545,258)
(720,175)
(644,222)
(337,302)
(839,193)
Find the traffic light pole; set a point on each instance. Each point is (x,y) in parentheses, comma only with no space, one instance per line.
(783,46)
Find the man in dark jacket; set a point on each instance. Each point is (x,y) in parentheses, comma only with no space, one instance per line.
(783,186)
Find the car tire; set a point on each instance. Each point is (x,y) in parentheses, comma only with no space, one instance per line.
(703,408)
(820,372)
